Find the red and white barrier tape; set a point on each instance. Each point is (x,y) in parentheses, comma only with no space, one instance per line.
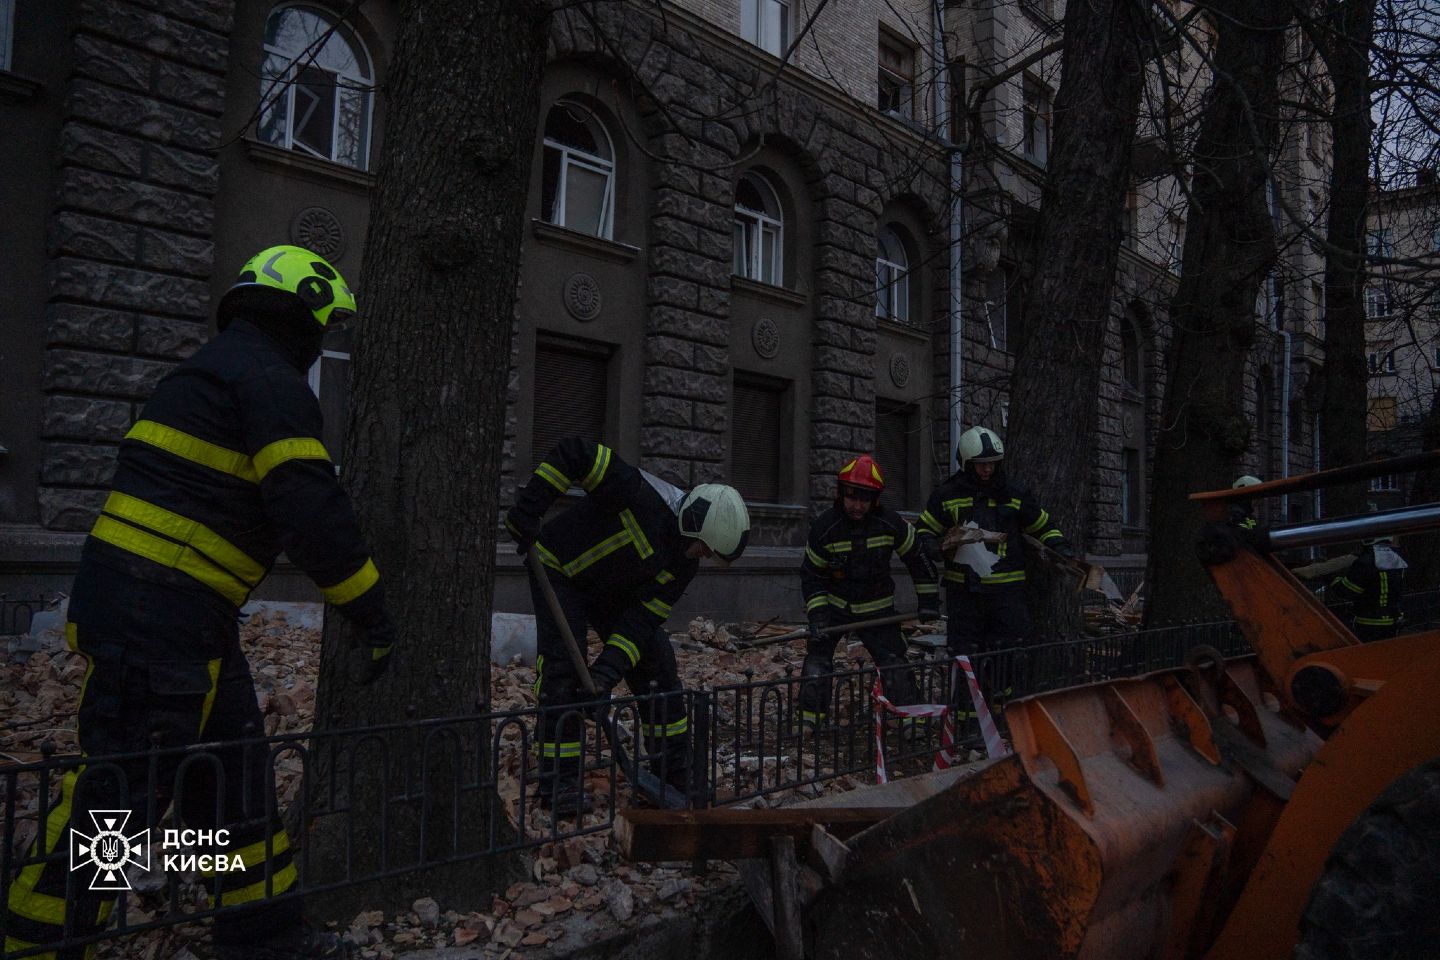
(995,745)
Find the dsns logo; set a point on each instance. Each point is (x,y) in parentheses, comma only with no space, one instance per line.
(109,851)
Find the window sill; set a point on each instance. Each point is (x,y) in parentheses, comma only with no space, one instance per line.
(17,89)
(291,161)
(552,235)
(767,291)
(903,329)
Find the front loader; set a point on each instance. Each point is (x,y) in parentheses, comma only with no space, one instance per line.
(1281,804)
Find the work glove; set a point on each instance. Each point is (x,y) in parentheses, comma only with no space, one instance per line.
(606,679)
(1063,547)
(818,622)
(376,653)
(522,529)
(929,609)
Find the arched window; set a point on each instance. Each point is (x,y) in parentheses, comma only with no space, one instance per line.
(577,186)
(759,231)
(316,85)
(892,277)
(1130,367)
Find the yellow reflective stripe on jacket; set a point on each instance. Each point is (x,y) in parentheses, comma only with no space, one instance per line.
(280,881)
(839,546)
(177,556)
(921,588)
(1049,535)
(352,586)
(296,448)
(632,526)
(625,646)
(817,601)
(666,729)
(658,607)
(553,477)
(1041,522)
(664,576)
(1013,576)
(814,557)
(596,553)
(1350,585)
(254,855)
(598,468)
(928,521)
(1375,621)
(191,448)
(870,606)
(563,748)
(548,558)
(187,531)
(884,540)
(958,503)
(954,576)
(212,668)
(1384,589)
(908,542)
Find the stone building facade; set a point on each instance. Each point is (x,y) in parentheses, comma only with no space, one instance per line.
(737,265)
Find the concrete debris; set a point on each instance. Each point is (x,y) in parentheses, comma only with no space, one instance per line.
(620,900)
(428,912)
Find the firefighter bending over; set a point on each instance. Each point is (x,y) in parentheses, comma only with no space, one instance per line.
(223,470)
(845,577)
(986,608)
(618,561)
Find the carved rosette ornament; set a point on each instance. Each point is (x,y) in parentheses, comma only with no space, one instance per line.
(899,369)
(316,228)
(765,336)
(582,297)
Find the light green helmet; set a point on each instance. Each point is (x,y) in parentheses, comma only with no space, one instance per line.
(276,278)
(1245,481)
(979,445)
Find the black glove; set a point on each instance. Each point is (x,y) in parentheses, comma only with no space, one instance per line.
(1063,547)
(376,654)
(929,609)
(818,622)
(606,679)
(522,530)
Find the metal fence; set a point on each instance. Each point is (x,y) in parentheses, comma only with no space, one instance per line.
(376,802)
(16,614)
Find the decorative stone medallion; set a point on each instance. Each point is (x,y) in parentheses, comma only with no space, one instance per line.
(582,297)
(1127,425)
(316,228)
(765,336)
(899,369)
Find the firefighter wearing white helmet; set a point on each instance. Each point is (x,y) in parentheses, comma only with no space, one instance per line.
(1242,512)
(618,561)
(985,595)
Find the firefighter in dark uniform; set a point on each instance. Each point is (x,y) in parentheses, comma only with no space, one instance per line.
(223,470)
(845,578)
(987,610)
(618,560)
(1375,583)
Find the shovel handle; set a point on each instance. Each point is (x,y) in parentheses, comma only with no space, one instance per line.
(577,659)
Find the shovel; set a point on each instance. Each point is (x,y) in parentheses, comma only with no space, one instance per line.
(659,792)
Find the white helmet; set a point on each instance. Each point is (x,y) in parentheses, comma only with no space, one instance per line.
(715,514)
(979,445)
(1245,481)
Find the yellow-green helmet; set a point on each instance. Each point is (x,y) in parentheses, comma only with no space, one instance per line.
(285,278)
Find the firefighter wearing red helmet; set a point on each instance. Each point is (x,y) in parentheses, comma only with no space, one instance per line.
(845,578)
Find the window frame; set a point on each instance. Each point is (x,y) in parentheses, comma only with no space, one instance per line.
(1037,113)
(573,156)
(901,84)
(751,227)
(316,380)
(753,25)
(892,296)
(269,95)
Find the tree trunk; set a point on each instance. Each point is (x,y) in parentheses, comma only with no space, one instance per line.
(1422,551)
(1345,47)
(426,430)
(1229,250)
(1051,442)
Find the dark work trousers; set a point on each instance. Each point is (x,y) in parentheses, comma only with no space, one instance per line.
(1368,632)
(663,720)
(989,623)
(886,647)
(164,669)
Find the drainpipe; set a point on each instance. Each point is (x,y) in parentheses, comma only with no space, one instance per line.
(955,162)
(1285,422)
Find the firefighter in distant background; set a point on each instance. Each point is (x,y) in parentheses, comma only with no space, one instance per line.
(1375,583)
(986,608)
(1242,512)
(223,470)
(618,560)
(845,578)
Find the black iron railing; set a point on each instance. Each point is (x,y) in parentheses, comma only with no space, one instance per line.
(381,801)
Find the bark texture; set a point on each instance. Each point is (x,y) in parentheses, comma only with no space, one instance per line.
(1229,249)
(426,431)
(1050,443)
(1344,44)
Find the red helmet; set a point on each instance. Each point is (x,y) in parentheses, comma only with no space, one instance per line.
(862,472)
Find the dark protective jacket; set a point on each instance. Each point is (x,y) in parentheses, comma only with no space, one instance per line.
(846,569)
(620,546)
(224,470)
(999,507)
(1376,582)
